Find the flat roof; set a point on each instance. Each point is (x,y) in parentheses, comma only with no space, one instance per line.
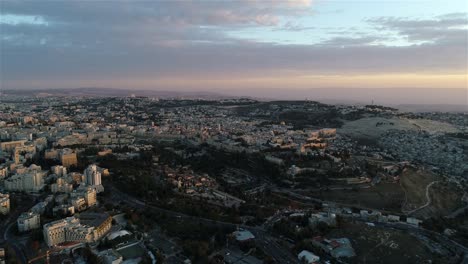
(243,235)
(93,219)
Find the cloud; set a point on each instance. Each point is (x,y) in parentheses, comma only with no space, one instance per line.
(352,41)
(136,23)
(7,19)
(294,27)
(98,41)
(215,13)
(450,28)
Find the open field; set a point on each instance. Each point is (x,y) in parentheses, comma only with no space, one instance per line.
(378,245)
(384,196)
(414,182)
(445,199)
(433,126)
(374,127)
(427,194)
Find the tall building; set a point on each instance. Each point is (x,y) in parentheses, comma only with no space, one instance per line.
(27,150)
(87,194)
(32,181)
(51,154)
(75,177)
(28,221)
(59,170)
(4,204)
(61,186)
(92,175)
(90,196)
(63,210)
(68,157)
(40,207)
(64,230)
(10,146)
(3,171)
(89,228)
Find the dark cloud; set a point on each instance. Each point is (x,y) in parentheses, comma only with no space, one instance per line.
(232,60)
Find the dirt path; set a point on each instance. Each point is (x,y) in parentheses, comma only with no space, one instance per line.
(428,198)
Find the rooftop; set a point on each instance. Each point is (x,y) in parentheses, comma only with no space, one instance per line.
(243,235)
(93,219)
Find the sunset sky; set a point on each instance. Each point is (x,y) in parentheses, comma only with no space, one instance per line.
(240,47)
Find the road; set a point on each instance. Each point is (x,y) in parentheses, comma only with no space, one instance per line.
(447,241)
(428,233)
(428,198)
(263,240)
(7,235)
(311,201)
(16,243)
(267,242)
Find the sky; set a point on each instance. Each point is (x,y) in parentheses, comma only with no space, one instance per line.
(283,49)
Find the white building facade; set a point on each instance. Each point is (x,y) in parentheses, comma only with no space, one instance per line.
(28,221)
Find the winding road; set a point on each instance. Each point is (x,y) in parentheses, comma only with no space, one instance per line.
(428,199)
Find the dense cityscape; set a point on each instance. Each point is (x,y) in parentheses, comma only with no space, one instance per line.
(233,132)
(139,179)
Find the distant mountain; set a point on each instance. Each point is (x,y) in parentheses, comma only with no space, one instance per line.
(112,92)
(433,108)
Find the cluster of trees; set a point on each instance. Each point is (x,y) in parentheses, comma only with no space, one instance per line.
(298,228)
(11,254)
(215,161)
(302,119)
(461,135)
(384,123)
(199,250)
(135,176)
(198,239)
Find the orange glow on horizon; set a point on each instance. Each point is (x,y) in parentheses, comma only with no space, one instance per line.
(279,81)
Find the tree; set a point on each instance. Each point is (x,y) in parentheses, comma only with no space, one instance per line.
(35,245)
(196,248)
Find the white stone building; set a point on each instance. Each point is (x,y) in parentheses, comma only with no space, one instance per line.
(28,221)
(89,228)
(92,175)
(59,170)
(4,204)
(61,186)
(32,181)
